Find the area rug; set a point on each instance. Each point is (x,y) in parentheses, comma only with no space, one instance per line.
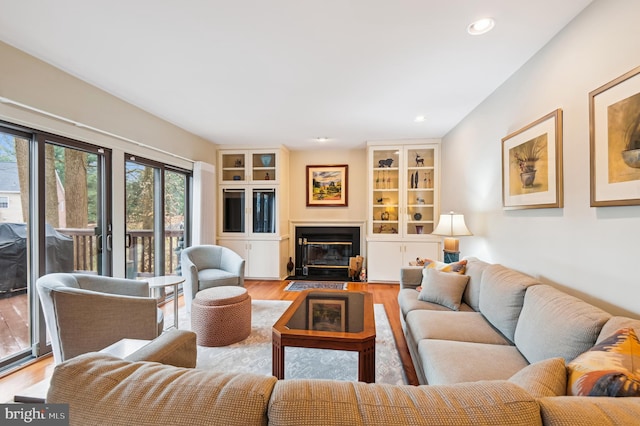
(304,285)
(253,355)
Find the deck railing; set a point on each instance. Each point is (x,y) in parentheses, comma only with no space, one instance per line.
(140,256)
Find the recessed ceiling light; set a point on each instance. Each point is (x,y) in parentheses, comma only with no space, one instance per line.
(419,118)
(322,139)
(481,26)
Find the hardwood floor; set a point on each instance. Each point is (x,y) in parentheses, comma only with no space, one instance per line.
(385,294)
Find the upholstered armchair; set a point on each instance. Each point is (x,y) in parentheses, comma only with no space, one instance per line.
(86,313)
(208,266)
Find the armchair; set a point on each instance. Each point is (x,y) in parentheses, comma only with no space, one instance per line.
(208,266)
(86,313)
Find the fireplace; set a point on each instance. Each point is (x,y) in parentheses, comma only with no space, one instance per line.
(323,252)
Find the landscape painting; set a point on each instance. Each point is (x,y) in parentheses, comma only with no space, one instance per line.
(327,186)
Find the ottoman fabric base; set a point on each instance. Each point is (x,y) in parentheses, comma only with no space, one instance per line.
(218,323)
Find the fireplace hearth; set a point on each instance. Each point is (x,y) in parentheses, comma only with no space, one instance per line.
(323,252)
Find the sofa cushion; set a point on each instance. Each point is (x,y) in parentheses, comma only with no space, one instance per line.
(611,368)
(100,387)
(616,323)
(449,325)
(447,362)
(555,324)
(543,378)
(502,295)
(586,411)
(410,277)
(443,288)
(475,268)
(325,402)
(408,301)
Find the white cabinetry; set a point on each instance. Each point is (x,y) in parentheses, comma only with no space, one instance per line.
(263,258)
(254,209)
(385,258)
(403,205)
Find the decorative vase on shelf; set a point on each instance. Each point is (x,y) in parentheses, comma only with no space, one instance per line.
(266,160)
(417,216)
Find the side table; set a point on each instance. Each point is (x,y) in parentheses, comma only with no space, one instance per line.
(166,281)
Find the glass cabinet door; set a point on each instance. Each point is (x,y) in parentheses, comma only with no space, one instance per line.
(386,192)
(419,193)
(264,211)
(233,210)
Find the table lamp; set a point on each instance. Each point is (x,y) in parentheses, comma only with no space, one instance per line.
(451,225)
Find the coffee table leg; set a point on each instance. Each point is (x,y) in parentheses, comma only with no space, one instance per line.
(367,364)
(277,359)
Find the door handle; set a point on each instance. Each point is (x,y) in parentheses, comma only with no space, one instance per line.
(109,242)
(127,240)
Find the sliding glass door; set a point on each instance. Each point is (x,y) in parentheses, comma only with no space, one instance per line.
(156,212)
(54,217)
(77,232)
(15,293)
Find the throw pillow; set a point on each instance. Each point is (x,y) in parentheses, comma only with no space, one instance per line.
(611,368)
(443,288)
(543,378)
(457,267)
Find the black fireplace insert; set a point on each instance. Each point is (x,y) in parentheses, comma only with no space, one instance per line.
(323,252)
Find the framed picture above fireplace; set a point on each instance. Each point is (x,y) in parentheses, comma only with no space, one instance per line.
(327,186)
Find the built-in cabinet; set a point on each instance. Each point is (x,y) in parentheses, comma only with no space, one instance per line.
(254,209)
(403,205)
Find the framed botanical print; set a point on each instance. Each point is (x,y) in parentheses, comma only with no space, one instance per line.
(532,165)
(614,133)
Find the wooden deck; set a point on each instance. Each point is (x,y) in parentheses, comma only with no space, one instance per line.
(14,324)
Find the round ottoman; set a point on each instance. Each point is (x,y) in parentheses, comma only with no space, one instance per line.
(221,316)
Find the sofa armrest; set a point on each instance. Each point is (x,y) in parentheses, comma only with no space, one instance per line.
(589,410)
(175,347)
(410,277)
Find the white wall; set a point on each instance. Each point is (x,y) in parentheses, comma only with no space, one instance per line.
(32,82)
(590,252)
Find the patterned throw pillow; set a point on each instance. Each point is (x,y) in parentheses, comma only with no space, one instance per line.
(457,267)
(611,368)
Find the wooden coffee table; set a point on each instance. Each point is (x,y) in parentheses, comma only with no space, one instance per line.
(329,319)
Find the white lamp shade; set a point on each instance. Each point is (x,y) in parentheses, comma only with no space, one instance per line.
(451,225)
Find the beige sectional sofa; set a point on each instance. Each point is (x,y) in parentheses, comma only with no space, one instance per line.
(499,360)
(104,390)
(507,320)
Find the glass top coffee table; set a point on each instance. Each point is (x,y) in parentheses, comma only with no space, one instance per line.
(329,319)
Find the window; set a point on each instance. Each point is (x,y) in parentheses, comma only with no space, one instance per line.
(4,202)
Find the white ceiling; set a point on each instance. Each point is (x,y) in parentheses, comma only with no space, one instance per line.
(283,72)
